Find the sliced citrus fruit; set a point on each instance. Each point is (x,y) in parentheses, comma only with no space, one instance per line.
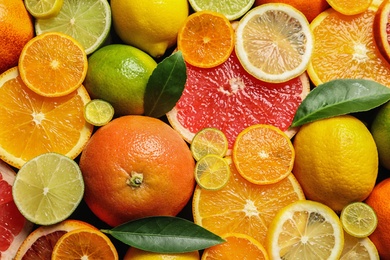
(43,9)
(344,47)
(31,124)
(305,230)
(84,244)
(237,246)
(243,207)
(228,98)
(263,154)
(40,243)
(382,29)
(212,172)
(48,188)
(348,7)
(274,42)
(14,227)
(206,39)
(209,140)
(358,249)
(87,21)
(53,64)
(98,112)
(358,219)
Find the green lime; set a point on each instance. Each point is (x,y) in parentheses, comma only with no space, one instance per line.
(209,141)
(212,172)
(231,9)
(43,9)
(87,21)
(118,74)
(98,112)
(48,188)
(380,130)
(358,219)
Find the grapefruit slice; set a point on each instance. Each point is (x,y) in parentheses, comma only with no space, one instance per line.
(228,98)
(14,228)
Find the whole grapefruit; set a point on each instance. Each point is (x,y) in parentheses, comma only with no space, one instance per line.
(136,166)
(16,29)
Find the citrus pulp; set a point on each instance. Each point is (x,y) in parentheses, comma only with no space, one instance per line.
(358,249)
(43,9)
(381,29)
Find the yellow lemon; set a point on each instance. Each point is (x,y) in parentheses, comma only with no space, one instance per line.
(138,254)
(336,161)
(151,26)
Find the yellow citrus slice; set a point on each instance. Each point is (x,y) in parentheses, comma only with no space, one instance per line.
(358,249)
(349,7)
(43,9)
(358,219)
(209,140)
(53,64)
(274,42)
(98,112)
(305,230)
(212,172)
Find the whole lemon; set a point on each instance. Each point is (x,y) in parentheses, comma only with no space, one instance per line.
(138,254)
(151,26)
(118,74)
(380,129)
(336,161)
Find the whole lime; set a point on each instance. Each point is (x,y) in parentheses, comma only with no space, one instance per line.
(118,74)
(380,130)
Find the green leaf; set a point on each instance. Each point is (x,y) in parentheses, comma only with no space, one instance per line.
(163,234)
(340,97)
(165,85)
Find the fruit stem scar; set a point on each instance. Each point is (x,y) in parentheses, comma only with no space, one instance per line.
(135,179)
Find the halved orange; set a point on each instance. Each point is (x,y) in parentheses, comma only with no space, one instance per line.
(263,154)
(206,39)
(53,64)
(84,244)
(382,29)
(31,124)
(349,7)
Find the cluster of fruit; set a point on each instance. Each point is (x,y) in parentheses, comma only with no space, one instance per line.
(82,158)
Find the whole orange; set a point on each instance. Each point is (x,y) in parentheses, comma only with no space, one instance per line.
(379,201)
(310,8)
(16,29)
(134,167)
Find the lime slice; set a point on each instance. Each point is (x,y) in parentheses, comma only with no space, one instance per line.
(231,9)
(209,141)
(212,172)
(48,188)
(98,112)
(87,21)
(43,9)
(358,219)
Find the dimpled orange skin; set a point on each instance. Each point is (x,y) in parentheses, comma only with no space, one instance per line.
(16,29)
(130,146)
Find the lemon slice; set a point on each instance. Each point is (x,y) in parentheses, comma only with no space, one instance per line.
(48,188)
(305,230)
(209,141)
(43,9)
(98,112)
(274,42)
(212,172)
(87,21)
(358,219)
(358,249)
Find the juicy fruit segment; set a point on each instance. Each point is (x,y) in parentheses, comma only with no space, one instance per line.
(48,54)
(243,100)
(358,219)
(84,244)
(212,172)
(206,39)
(350,7)
(134,253)
(48,188)
(43,9)
(243,207)
(358,249)
(209,141)
(344,47)
(87,21)
(381,29)
(274,42)
(32,125)
(237,246)
(98,112)
(231,9)
(306,230)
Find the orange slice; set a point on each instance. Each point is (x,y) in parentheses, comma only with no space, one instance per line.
(274,42)
(239,245)
(206,39)
(53,64)
(382,29)
(243,207)
(349,7)
(263,154)
(344,47)
(84,244)
(31,124)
